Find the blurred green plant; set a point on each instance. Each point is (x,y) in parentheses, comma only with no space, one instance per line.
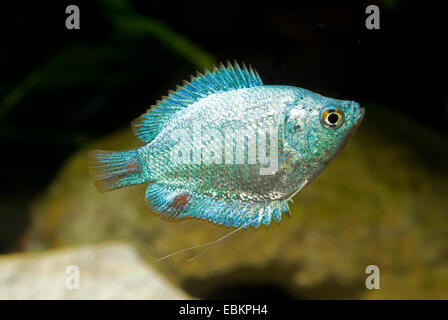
(123,17)
(79,64)
(390,5)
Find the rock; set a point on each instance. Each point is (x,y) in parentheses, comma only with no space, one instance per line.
(107,271)
(382,201)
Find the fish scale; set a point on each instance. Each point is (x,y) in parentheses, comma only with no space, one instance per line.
(226,148)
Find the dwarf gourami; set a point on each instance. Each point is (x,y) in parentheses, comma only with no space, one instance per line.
(226,148)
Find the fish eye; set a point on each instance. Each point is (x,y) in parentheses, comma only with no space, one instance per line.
(331,117)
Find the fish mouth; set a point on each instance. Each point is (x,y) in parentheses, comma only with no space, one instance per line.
(358,118)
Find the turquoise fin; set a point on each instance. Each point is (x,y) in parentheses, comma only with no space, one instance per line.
(222,78)
(115,169)
(177,204)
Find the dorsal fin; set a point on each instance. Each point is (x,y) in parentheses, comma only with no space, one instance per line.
(222,78)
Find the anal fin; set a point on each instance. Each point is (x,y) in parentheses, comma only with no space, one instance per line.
(174,203)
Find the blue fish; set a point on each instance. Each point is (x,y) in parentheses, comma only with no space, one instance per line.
(225,148)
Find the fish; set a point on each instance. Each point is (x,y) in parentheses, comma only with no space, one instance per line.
(225,148)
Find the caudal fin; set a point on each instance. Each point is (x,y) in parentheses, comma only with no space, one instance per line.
(112,170)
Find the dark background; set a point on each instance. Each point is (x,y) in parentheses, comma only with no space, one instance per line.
(61,89)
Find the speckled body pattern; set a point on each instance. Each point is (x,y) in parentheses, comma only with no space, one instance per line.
(202,123)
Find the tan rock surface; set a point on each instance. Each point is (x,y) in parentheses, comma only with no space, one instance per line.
(107,271)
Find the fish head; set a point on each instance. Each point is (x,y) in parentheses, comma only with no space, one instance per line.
(318,128)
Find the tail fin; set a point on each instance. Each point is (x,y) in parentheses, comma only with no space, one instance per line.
(112,170)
